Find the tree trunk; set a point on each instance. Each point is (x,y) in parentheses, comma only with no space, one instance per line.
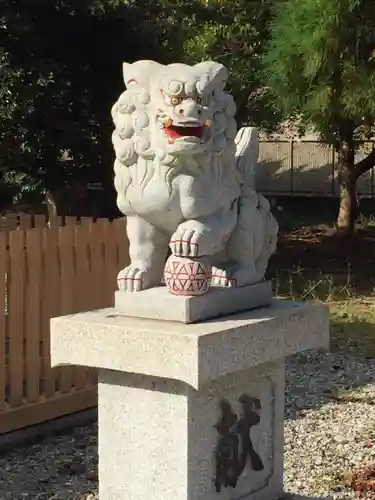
(348,194)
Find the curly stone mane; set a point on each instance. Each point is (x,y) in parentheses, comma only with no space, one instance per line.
(138,159)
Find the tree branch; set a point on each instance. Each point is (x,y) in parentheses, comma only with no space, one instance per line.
(364,165)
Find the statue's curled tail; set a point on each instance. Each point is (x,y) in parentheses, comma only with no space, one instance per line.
(256,232)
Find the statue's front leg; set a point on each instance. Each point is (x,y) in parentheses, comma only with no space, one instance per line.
(147,249)
(203,236)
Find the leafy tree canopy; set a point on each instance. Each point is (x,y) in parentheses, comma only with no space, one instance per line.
(320,66)
(235,33)
(321,63)
(60,72)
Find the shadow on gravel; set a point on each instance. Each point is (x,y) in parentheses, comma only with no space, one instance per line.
(314,379)
(58,467)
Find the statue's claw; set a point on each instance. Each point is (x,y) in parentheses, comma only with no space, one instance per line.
(133,279)
(234,276)
(194,238)
(184,243)
(222,277)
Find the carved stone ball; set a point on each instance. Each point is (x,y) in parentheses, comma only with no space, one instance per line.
(185,276)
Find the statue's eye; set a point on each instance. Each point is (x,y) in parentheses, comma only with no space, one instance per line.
(176,100)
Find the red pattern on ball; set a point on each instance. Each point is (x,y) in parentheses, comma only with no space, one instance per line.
(184,276)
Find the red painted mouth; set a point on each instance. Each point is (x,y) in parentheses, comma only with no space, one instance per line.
(177,131)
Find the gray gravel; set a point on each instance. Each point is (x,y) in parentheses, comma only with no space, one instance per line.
(330,422)
(56,468)
(329,431)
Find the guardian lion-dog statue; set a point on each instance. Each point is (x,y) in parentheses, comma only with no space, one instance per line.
(184,176)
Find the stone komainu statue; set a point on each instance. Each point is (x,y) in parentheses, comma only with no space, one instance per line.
(185,177)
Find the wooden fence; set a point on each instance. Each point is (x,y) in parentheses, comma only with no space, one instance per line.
(49,271)
(12,221)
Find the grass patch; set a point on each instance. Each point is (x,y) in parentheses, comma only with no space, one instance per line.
(306,284)
(353,326)
(313,263)
(352,314)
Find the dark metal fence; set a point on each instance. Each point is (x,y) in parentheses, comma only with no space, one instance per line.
(306,168)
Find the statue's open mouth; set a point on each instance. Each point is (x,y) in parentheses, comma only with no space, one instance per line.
(174,131)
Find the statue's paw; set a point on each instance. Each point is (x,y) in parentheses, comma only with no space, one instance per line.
(235,276)
(223,277)
(185,242)
(133,279)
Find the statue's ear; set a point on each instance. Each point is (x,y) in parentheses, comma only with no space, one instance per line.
(212,75)
(130,77)
(137,75)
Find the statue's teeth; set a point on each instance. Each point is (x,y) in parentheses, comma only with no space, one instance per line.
(168,122)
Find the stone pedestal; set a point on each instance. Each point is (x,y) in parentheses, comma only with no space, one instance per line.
(190,411)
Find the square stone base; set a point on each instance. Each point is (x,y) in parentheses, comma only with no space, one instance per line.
(195,353)
(175,399)
(158,303)
(163,440)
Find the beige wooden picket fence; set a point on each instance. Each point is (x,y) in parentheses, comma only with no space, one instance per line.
(50,268)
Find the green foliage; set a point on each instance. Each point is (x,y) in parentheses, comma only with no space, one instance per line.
(320,65)
(234,33)
(60,72)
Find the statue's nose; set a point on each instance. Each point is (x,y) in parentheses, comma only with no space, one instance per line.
(188,109)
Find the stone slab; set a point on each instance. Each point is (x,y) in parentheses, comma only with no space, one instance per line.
(158,303)
(194,353)
(158,438)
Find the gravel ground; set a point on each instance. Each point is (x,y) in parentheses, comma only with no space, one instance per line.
(330,423)
(329,431)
